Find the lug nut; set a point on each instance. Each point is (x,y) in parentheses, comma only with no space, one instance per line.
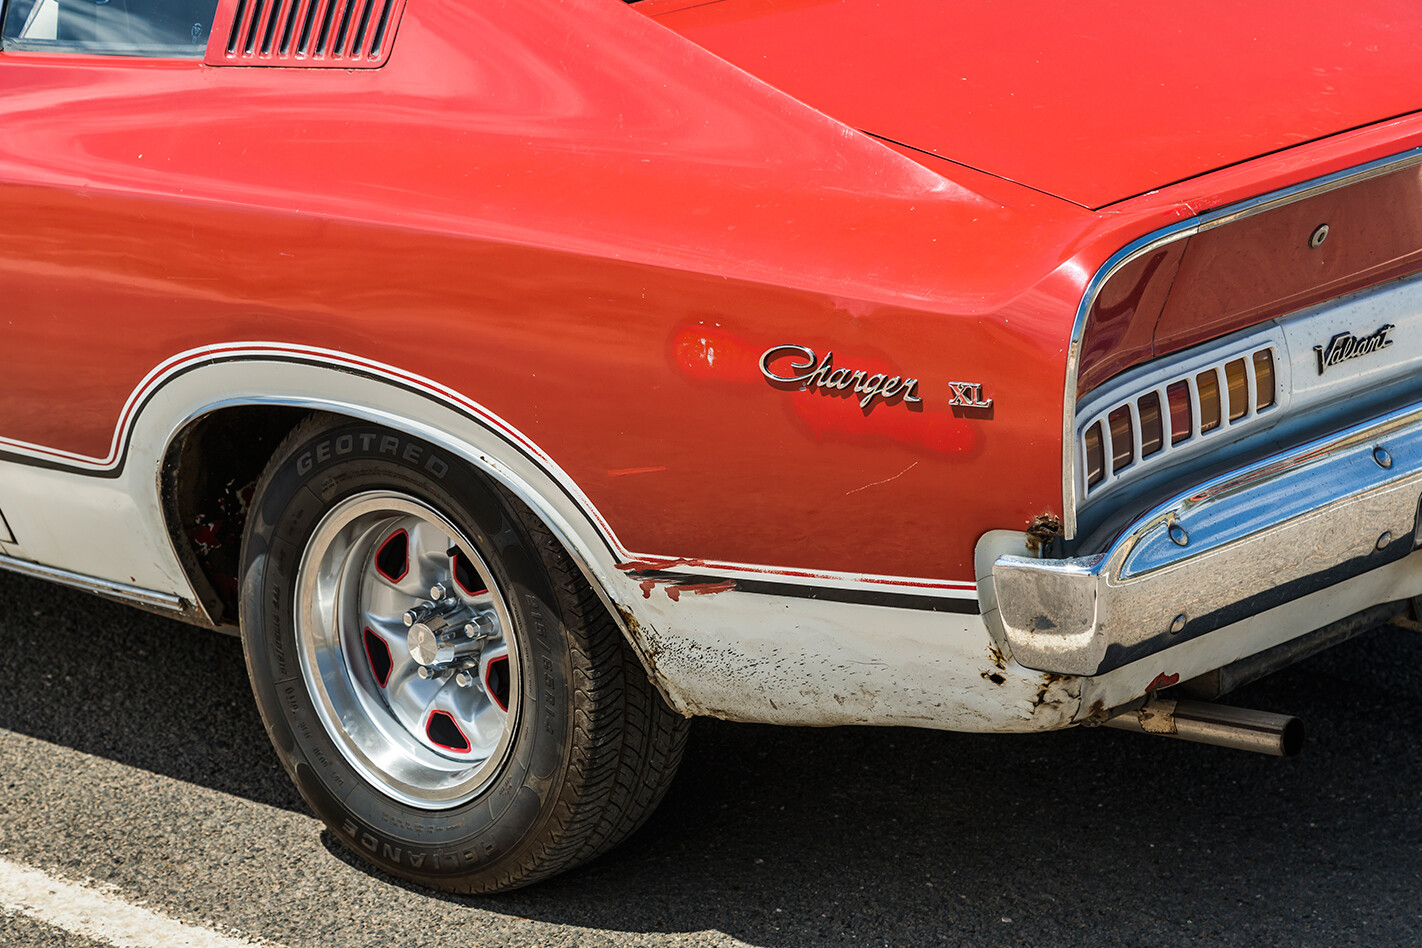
(464,679)
(437,592)
(480,627)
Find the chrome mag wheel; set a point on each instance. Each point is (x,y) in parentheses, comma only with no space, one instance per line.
(406,649)
(446,690)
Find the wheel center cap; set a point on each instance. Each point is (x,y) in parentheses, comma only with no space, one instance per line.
(453,637)
(423,643)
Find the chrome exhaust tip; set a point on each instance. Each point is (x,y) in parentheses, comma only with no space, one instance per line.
(1278,735)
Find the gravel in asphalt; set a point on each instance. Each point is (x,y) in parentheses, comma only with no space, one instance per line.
(131,755)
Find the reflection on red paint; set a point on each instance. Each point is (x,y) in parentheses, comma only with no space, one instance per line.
(709,352)
(624,471)
(656,563)
(927,425)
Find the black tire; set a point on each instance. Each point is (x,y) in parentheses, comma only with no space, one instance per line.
(587,746)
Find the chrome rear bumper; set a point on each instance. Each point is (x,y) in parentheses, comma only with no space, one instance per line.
(1238,545)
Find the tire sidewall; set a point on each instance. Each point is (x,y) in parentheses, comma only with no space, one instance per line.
(317,468)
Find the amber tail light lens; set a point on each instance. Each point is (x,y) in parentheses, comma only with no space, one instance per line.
(1208,385)
(1095,457)
(1152,431)
(1181,421)
(1126,436)
(1263,379)
(1123,442)
(1238,381)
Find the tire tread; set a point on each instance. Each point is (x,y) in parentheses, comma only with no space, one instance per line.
(629,741)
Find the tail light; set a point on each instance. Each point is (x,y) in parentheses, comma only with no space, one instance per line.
(1175,413)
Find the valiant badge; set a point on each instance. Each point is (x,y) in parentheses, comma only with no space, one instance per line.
(1345,346)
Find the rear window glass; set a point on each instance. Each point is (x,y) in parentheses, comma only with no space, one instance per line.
(117,27)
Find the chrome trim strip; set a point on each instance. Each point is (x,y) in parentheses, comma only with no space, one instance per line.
(103,587)
(1167,235)
(1233,547)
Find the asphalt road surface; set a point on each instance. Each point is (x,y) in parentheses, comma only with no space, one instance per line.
(133,763)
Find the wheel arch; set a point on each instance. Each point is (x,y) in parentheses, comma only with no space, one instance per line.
(260,394)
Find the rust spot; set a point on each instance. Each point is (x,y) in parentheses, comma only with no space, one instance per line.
(1042,529)
(1048,679)
(994,677)
(1162,681)
(1098,713)
(995,654)
(629,619)
(644,643)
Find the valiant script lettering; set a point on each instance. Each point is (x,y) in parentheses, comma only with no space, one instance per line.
(1345,346)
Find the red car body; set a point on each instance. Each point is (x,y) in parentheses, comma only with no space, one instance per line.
(688,210)
(586,226)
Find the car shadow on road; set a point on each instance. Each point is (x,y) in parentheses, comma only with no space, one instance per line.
(788,837)
(142,690)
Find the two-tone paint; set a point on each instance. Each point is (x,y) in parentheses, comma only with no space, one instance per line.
(554,241)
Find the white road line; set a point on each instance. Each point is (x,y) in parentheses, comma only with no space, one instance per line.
(99,915)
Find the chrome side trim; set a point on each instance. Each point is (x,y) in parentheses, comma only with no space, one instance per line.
(148,598)
(1168,235)
(1234,547)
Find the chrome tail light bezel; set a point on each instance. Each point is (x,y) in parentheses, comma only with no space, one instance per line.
(1073,494)
(1123,397)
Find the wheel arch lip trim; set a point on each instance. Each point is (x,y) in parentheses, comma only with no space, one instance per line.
(1253,538)
(1168,235)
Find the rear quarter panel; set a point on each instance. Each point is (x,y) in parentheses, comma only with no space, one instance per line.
(581,221)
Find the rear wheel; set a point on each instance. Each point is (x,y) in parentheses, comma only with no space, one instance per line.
(442,685)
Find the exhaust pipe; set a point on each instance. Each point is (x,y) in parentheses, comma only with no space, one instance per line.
(1278,735)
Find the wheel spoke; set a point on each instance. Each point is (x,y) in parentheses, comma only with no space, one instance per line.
(409,695)
(383,602)
(428,554)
